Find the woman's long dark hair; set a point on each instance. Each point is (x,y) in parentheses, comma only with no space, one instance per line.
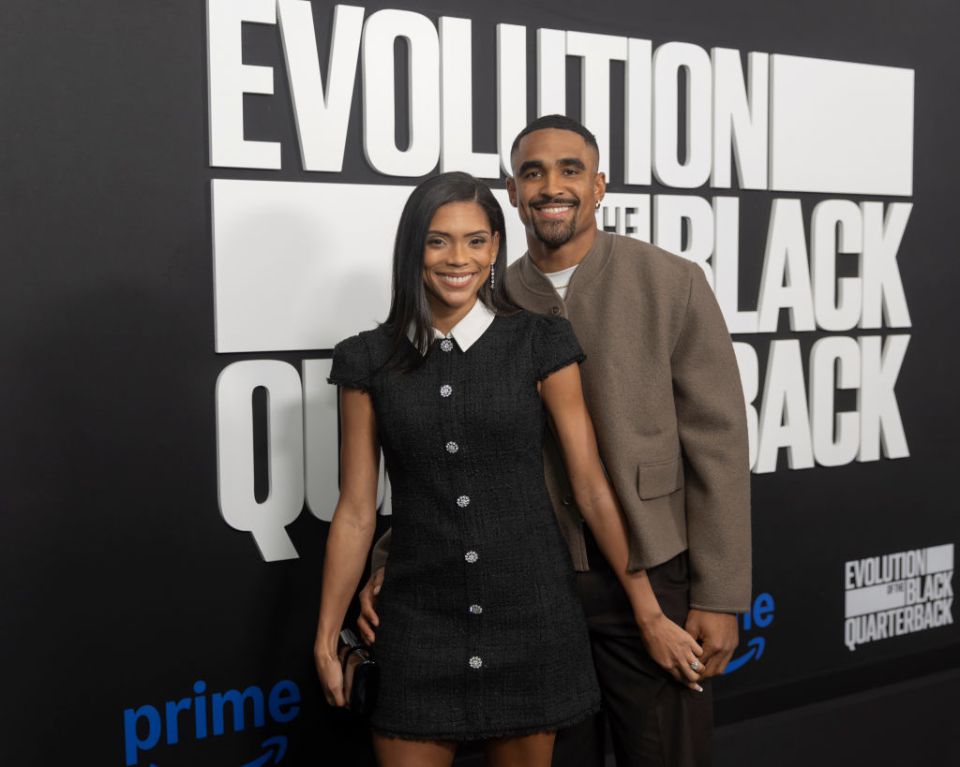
(408,304)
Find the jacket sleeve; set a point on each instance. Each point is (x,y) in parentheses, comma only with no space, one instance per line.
(711,418)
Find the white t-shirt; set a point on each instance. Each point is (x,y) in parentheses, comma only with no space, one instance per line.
(561,279)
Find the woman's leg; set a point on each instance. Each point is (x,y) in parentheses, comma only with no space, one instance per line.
(395,752)
(529,751)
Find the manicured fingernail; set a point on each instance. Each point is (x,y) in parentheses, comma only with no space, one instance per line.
(698,688)
(376,589)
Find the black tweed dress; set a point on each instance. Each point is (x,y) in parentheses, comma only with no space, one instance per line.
(481,632)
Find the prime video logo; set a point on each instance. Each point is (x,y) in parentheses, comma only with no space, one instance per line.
(202,715)
(759,616)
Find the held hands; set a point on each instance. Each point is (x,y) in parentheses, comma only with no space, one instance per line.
(369,620)
(673,649)
(719,635)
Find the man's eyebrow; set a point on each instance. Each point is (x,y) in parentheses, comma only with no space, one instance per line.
(524,167)
(564,162)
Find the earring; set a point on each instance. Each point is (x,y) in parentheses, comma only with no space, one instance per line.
(492,269)
(598,204)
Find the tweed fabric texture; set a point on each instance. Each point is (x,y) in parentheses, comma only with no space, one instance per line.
(481,631)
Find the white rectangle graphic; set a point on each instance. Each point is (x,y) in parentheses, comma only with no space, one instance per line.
(874,599)
(840,127)
(299,265)
(940,558)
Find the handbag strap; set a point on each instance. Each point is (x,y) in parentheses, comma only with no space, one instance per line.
(350,651)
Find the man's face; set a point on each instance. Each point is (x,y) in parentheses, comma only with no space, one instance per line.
(555,186)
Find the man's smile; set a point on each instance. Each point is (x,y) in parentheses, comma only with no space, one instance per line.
(553,209)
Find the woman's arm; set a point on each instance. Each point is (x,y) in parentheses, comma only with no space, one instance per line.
(351,532)
(668,644)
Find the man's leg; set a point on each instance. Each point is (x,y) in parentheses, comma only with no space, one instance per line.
(581,745)
(654,720)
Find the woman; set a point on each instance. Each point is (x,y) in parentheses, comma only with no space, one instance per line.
(481,634)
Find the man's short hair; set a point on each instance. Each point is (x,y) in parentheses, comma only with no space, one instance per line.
(560,122)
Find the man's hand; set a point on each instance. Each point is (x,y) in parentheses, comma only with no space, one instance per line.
(718,635)
(369,620)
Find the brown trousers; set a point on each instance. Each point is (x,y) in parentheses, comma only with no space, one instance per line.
(655,721)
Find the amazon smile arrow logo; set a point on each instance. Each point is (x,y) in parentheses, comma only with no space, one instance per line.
(276,748)
(756,646)
(760,616)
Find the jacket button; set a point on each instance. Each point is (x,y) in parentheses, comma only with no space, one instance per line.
(554,310)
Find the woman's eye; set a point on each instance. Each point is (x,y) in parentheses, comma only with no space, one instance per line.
(478,241)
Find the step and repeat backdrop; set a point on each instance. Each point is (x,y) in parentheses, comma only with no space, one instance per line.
(199,200)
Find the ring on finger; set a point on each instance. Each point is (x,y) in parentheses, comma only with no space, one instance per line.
(696,666)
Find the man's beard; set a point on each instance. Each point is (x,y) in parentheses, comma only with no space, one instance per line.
(553,234)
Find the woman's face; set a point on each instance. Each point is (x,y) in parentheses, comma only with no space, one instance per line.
(460,249)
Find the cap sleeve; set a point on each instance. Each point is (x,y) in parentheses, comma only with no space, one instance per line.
(351,364)
(555,346)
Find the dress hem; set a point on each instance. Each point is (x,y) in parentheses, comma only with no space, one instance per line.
(515,732)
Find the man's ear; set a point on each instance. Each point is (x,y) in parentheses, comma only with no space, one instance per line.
(600,186)
(512,190)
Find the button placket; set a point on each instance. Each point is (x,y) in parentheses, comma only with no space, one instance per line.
(451,391)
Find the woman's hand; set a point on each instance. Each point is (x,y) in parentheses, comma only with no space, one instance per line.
(673,649)
(331,676)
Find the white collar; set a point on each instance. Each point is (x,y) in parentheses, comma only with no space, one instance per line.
(468,331)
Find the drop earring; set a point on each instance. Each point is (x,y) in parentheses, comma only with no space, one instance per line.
(492,269)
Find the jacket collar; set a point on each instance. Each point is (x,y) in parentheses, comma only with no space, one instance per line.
(536,282)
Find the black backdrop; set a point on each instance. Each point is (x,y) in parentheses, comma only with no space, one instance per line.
(123,586)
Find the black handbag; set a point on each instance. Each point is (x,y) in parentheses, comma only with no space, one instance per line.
(361,675)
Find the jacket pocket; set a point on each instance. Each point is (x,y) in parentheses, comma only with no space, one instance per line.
(660,478)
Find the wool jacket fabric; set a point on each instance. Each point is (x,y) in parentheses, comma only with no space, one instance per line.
(662,385)
(481,633)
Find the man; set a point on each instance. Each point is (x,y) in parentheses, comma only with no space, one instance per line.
(662,385)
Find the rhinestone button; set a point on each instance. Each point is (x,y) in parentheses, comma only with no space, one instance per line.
(446,390)
(476,662)
(452,447)
(463,501)
(475,609)
(471,557)
(446,345)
